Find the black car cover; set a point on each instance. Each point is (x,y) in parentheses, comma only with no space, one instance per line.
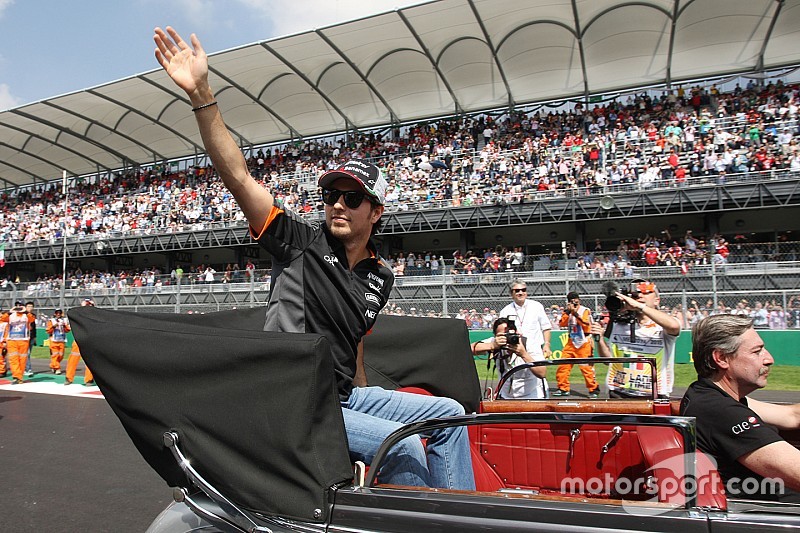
(257,412)
(431,353)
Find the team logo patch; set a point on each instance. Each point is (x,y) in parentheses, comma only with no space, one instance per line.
(377,279)
(741,427)
(331,259)
(372,298)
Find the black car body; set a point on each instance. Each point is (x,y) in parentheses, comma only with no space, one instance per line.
(246,425)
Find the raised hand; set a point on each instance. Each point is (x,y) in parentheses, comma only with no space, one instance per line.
(188,67)
(630,303)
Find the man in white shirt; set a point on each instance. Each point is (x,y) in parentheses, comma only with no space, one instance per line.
(508,350)
(531,319)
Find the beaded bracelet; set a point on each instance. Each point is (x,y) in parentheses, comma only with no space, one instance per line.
(198,108)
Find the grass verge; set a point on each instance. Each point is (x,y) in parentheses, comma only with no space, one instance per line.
(784,377)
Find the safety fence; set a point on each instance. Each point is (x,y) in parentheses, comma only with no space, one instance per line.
(769,291)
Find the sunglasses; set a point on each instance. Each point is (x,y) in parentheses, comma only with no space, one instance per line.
(352,199)
(519,290)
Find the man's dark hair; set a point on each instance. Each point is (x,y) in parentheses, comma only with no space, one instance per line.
(30,302)
(497,323)
(716,332)
(573,296)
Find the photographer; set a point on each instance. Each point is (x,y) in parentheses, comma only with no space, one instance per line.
(507,347)
(638,329)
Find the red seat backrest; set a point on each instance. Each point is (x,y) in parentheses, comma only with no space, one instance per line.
(664,452)
(486,479)
(536,456)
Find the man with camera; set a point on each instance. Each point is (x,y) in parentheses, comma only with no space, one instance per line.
(57,328)
(507,348)
(637,328)
(578,321)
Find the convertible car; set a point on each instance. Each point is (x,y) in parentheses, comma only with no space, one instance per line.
(246,426)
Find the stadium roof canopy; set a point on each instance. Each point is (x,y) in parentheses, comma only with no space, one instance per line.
(428,60)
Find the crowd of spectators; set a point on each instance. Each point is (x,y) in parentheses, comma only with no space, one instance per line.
(598,261)
(603,260)
(144,280)
(648,141)
(766,314)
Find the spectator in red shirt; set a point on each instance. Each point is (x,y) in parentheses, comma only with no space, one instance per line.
(680,176)
(676,251)
(651,256)
(673,159)
(721,251)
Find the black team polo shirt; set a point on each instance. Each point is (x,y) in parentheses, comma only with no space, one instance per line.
(726,430)
(314,291)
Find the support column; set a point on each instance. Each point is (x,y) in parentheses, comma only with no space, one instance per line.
(711,221)
(466,240)
(580,236)
(385,246)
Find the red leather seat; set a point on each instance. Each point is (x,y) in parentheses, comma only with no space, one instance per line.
(664,452)
(537,457)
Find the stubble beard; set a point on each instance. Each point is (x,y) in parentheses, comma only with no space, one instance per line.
(343,232)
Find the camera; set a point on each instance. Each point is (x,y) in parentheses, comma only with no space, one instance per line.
(614,304)
(512,337)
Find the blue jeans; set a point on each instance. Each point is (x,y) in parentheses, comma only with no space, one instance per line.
(372,413)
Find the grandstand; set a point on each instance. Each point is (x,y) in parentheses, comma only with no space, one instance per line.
(655,136)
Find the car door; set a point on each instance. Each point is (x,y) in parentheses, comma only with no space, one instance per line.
(534,472)
(748,515)
(404,511)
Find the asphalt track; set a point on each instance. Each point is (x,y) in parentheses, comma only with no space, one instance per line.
(67,464)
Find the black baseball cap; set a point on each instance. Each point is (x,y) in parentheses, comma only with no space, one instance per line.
(19,303)
(367,175)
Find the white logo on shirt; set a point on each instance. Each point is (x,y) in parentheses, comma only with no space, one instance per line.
(372,298)
(331,259)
